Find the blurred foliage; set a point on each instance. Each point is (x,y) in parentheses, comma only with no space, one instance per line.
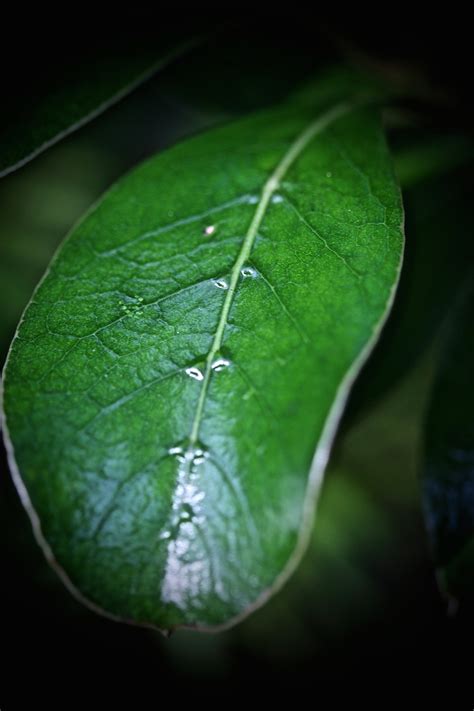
(80,89)
(448,462)
(255,75)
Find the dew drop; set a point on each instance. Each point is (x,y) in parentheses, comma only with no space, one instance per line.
(175,450)
(209,230)
(221,283)
(164,535)
(220,364)
(248,272)
(195,373)
(185,452)
(277,198)
(253,199)
(329,174)
(199,455)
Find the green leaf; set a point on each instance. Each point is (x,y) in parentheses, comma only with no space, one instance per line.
(448,470)
(77,95)
(176,382)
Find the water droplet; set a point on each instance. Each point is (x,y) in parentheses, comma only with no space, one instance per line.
(187,453)
(199,454)
(195,373)
(329,174)
(248,272)
(220,364)
(209,230)
(277,198)
(221,283)
(164,535)
(253,199)
(175,450)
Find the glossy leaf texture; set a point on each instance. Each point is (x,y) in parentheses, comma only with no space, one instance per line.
(176,382)
(79,92)
(448,471)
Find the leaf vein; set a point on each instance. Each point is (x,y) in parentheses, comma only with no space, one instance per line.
(299,144)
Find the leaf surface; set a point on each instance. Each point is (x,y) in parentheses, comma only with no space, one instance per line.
(176,382)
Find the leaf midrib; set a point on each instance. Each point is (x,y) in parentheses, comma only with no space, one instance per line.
(272,184)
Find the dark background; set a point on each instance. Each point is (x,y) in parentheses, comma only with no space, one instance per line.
(363,612)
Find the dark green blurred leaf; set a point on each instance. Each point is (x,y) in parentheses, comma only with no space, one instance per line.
(240,70)
(428,158)
(191,347)
(71,92)
(37,207)
(448,468)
